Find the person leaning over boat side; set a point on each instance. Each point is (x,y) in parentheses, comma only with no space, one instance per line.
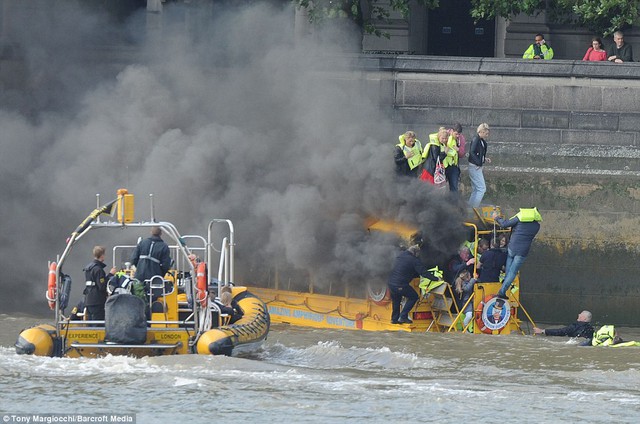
(524,227)
(408,155)
(151,256)
(95,290)
(407,266)
(477,158)
(581,328)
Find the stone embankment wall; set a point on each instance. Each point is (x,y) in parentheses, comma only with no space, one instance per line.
(565,136)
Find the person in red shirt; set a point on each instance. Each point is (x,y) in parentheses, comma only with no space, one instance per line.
(596,52)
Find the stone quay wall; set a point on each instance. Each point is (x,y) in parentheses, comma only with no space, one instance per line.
(565,136)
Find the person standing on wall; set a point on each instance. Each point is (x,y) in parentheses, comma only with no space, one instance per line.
(408,155)
(434,155)
(455,143)
(477,158)
(524,228)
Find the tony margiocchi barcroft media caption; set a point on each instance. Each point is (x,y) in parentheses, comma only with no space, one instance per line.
(67,418)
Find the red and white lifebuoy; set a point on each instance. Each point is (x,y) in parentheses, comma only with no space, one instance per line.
(51,285)
(201,283)
(492,314)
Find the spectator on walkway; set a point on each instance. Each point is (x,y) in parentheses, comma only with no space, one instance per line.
(539,49)
(619,51)
(596,52)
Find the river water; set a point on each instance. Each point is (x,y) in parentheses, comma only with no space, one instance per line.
(315,376)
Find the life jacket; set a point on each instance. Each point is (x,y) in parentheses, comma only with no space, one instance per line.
(120,283)
(433,141)
(416,159)
(604,336)
(452,155)
(529,215)
(427,285)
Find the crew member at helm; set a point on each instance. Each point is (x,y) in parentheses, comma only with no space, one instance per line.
(151,256)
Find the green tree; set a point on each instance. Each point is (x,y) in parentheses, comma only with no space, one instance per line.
(600,16)
(321,10)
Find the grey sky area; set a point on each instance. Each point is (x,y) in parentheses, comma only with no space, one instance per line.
(218,113)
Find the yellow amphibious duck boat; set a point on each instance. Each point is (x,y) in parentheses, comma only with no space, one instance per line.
(435,311)
(179,312)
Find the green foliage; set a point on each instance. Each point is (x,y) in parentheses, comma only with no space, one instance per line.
(600,16)
(321,10)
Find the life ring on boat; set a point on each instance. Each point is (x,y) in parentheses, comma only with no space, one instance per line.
(201,283)
(51,285)
(492,314)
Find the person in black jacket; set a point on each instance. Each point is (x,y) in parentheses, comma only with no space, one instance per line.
(95,291)
(477,158)
(406,267)
(151,256)
(581,328)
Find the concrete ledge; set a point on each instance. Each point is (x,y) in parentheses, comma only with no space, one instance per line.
(494,66)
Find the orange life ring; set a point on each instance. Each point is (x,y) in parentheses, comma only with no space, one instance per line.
(480,323)
(201,283)
(51,285)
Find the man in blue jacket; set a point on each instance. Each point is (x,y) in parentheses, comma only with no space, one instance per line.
(524,227)
(581,328)
(406,267)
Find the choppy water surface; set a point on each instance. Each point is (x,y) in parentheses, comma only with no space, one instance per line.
(309,376)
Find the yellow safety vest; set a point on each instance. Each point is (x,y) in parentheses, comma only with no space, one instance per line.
(452,154)
(416,159)
(433,140)
(529,215)
(427,285)
(604,336)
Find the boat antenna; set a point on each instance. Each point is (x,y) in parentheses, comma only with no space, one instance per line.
(98,204)
(153,217)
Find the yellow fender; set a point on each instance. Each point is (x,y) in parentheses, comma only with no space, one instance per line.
(252,327)
(37,341)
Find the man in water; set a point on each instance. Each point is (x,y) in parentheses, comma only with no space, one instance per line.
(581,328)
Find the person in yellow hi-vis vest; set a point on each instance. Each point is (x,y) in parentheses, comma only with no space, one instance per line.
(539,49)
(524,228)
(408,155)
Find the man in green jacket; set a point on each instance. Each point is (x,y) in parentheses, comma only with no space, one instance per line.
(538,50)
